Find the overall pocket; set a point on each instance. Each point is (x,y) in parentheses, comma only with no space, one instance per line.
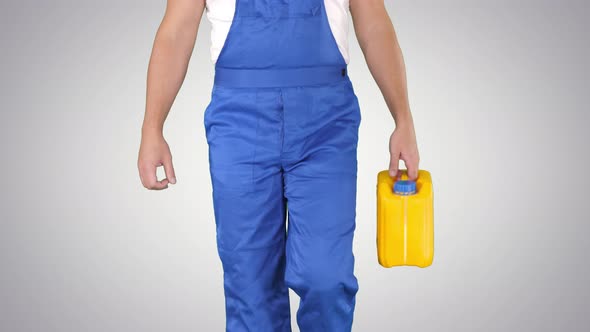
(281,8)
(208,108)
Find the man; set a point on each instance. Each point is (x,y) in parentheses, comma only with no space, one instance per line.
(282,130)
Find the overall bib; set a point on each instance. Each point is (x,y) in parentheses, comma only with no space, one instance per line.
(282,130)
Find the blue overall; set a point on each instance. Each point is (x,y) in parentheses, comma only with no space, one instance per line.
(282,130)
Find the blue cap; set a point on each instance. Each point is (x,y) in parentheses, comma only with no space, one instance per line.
(404,187)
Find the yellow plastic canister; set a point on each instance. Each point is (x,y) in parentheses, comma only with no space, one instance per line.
(405,220)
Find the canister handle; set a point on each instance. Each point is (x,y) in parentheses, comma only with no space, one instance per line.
(404,174)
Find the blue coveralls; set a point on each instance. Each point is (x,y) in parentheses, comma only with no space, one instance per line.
(282,130)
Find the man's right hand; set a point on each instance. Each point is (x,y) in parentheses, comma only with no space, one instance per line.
(154,152)
(171,52)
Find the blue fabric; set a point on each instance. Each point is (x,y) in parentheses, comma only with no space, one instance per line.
(283,77)
(281,147)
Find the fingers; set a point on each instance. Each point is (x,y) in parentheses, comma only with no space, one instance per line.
(169,170)
(411,163)
(149,177)
(394,164)
(412,166)
(153,153)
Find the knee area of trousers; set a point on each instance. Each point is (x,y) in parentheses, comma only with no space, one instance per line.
(322,283)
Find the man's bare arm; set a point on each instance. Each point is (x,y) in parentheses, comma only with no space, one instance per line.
(378,41)
(173,47)
(171,52)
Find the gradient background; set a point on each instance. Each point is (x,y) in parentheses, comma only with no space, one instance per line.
(498,90)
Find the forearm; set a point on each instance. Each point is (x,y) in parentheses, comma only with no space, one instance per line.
(172,49)
(378,41)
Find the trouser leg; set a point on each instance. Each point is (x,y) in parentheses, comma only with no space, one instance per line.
(242,131)
(320,185)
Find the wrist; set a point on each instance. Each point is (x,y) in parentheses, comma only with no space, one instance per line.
(152,130)
(402,119)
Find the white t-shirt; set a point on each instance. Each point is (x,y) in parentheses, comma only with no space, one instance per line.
(221,12)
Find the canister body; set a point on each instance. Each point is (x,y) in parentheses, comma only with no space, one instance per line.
(405,223)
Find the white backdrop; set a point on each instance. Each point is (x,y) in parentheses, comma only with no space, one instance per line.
(498,91)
